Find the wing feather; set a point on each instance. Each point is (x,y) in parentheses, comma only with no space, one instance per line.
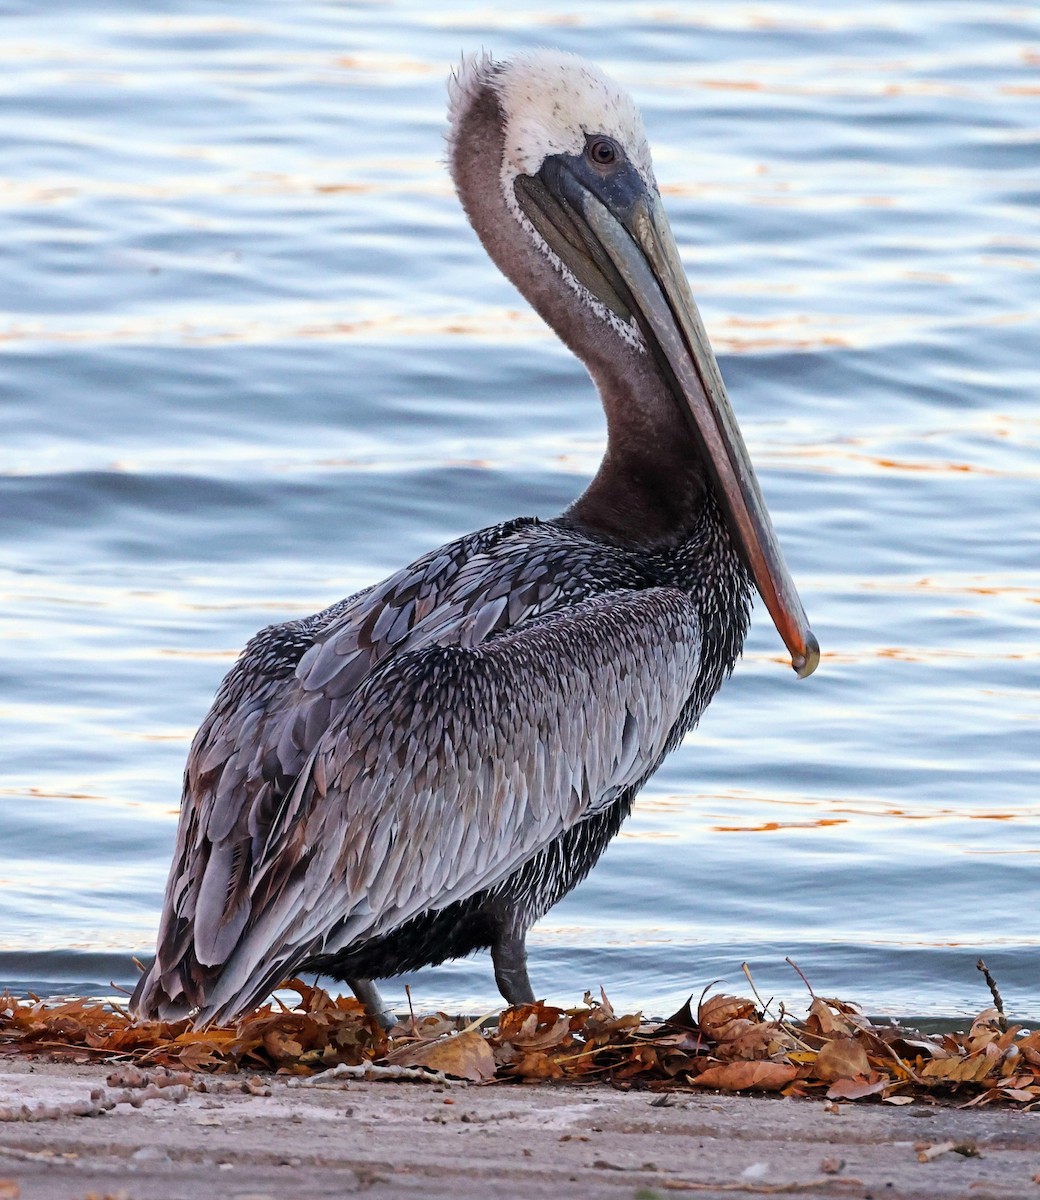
(255,778)
(517,740)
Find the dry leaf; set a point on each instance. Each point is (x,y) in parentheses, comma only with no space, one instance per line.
(742,1076)
(913,1048)
(544,1037)
(856,1089)
(462,1055)
(537,1065)
(684,1018)
(716,1014)
(732,1047)
(958,1070)
(757,1041)
(824,1021)
(844,1058)
(989,1023)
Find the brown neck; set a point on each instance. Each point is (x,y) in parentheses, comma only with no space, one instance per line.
(650,486)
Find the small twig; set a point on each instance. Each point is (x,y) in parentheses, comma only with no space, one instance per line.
(765,1010)
(981,966)
(801,975)
(751,983)
(69,1046)
(411,1010)
(584,1054)
(700,1002)
(476,1024)
(890,1050)
(137,963)
(116,988)
(370,1070)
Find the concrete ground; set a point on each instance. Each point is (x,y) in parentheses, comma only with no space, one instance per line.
(397,1139)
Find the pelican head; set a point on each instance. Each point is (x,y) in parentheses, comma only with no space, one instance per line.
(552,164)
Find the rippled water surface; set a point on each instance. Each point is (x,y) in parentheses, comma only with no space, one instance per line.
(252,358)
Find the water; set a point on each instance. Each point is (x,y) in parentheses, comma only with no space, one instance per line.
(252,359)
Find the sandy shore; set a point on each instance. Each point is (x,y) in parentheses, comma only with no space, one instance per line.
(420,1140)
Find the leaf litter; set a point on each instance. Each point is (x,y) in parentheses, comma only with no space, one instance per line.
(726,1043)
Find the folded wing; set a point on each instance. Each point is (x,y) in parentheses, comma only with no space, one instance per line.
(366,766)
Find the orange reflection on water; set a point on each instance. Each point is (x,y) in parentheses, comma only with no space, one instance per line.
(719,807)
(939,654)
(1001,853)
(917,655)
(256,324)
(388,64)
(239,183)
(773,826)
(836,457)
(38,793)
(732,85)
(973,585)
(896,464)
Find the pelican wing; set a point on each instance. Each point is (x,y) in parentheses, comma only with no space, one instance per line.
(454,766)
(297,683)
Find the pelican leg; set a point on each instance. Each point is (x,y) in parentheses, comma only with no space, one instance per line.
(509,954)
(367,992)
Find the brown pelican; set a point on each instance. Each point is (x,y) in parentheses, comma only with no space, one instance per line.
(425,768)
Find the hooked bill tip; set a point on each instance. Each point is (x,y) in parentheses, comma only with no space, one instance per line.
(805,664)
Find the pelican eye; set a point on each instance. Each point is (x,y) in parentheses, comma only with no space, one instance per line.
(602,151)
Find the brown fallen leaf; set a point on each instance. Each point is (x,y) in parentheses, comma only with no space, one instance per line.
(537,1026)
(764,1039)
(958,1070)
(532,1036)
(9,1189)
(734,1047)
(911,1048)
(461,1055)
(684,1018)
(742,1076)
(989,1023)
(537,1065)
(825,1021)
(856,1088)
(716,1014)
(842,1058)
